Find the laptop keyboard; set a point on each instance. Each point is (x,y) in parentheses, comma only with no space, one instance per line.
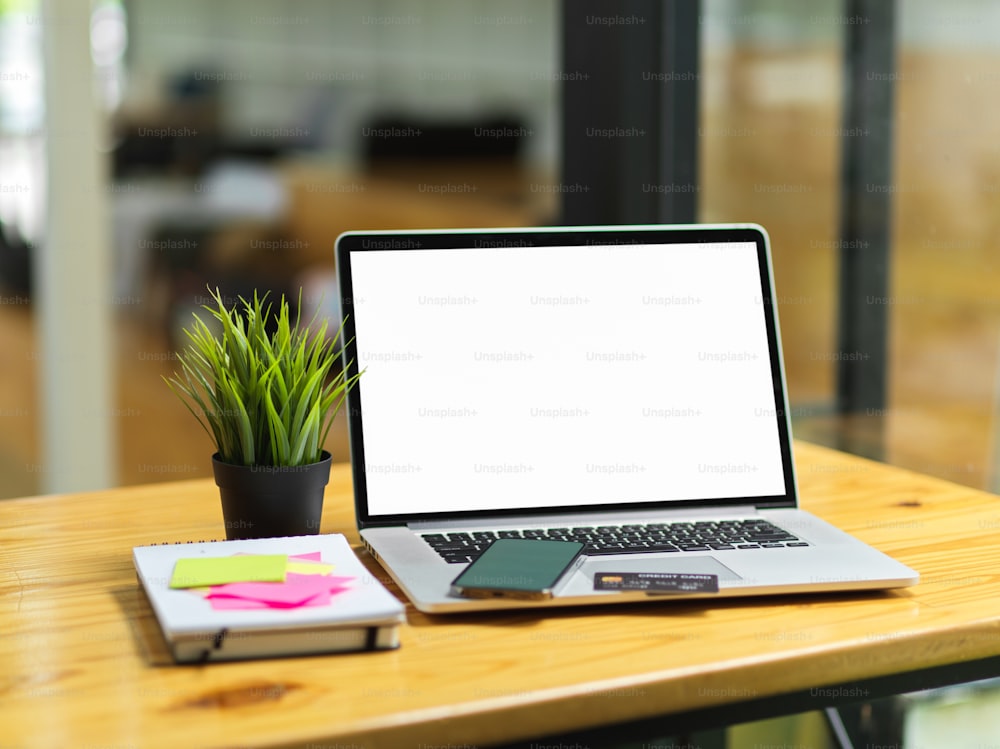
(722,535)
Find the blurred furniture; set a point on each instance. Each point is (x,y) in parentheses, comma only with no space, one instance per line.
(245,225)
(15,263)
(325,201)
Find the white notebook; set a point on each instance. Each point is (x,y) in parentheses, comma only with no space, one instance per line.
(361,615)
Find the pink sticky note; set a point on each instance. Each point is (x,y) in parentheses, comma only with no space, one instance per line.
(226,603)
(338,582)
(294,590)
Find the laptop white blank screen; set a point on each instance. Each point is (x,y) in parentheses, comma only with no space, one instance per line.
(513,378)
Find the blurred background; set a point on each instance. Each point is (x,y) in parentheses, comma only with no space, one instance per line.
(237,138)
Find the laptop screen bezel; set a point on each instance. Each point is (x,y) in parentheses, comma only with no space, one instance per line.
(471,239)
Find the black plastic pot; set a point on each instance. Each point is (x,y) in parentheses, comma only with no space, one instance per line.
(269,501)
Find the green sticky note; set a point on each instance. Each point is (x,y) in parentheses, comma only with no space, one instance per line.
(201,572)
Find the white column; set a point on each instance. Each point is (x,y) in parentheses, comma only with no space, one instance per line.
(73,267)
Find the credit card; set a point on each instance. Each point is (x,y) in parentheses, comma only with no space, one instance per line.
(656,582)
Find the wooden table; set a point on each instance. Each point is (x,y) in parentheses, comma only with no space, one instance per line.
(81,663)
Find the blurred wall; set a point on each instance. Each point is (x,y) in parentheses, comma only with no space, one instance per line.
(329,66)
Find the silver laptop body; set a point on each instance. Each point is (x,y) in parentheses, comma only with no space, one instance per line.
(578,378)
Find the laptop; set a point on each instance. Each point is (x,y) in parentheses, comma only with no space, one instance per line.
(617,385)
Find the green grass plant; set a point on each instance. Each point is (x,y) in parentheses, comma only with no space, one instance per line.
(266,390)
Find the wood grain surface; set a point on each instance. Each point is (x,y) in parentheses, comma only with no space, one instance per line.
(82,663)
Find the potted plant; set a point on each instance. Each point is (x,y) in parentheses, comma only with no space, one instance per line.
(266,389)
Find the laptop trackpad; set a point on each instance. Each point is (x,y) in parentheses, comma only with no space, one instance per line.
(583,580)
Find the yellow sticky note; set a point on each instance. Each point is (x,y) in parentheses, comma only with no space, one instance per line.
(201,571)
(309,568)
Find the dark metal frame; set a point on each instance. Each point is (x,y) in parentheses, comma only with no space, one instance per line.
(866,203)
(630,111)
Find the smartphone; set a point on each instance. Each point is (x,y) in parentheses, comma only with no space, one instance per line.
(518,568)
